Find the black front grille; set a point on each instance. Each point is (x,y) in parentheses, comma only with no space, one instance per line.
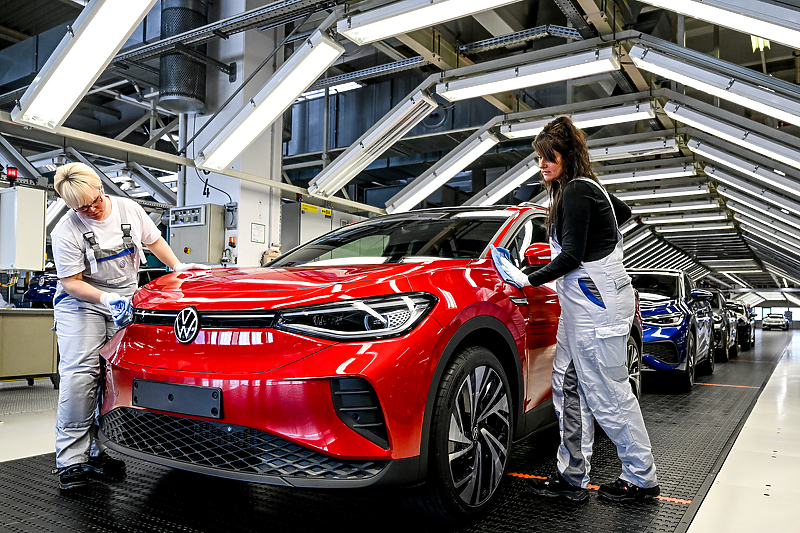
(664,351)
(208,319)
(235,449)
(357,406)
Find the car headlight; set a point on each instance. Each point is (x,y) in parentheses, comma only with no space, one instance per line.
(717,319)
(369,318)
(668,320)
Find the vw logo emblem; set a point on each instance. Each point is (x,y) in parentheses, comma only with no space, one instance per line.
(187,325)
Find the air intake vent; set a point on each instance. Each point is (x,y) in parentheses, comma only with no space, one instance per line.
(182,86)
(357,405)
(664,351)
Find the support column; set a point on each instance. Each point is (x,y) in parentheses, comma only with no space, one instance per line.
(258,205)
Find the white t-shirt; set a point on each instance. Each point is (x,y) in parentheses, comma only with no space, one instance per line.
(69,255)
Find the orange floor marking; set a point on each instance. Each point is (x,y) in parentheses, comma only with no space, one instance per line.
(596,487)
(721,385)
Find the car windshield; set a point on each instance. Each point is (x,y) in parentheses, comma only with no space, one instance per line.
(409,237)
(655,286)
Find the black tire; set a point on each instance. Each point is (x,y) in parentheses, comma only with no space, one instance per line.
(686,378)
(734,351)
(721,352)
(708,365)
(634,361)
(465,472)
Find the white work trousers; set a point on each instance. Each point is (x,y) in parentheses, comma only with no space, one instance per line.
(590,378)
(82,328)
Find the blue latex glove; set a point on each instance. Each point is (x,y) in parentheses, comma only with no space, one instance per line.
(510,274)
(119,307)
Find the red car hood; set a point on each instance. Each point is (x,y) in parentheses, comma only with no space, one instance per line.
(260,288)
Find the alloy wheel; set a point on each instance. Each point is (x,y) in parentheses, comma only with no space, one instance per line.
(634,361)
(479,435)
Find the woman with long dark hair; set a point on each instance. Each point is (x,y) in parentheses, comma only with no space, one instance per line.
(590,374)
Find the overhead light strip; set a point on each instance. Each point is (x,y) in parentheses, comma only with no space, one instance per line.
(586,119)
(581,64)
(761,193)
(379,138)
(657,194)
(499,188)
(778,181)
(635,176)
(662,146)
(313,57)
(751,17)
(89,45)
(723,86)
(734,134)
(671,207)
(409,15)
(442,172)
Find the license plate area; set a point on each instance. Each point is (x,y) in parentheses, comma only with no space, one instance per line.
(177,398)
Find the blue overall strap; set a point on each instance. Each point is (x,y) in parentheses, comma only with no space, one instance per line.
(128,239)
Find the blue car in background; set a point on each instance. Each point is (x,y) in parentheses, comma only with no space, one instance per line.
(41,290)
(677,324)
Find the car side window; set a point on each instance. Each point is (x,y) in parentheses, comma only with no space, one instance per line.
(689,285)
(530,232)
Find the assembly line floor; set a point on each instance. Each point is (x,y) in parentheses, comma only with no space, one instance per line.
(726,453)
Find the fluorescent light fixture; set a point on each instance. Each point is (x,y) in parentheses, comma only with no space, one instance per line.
(734,134)
(629,225)
(684,219)
(784,204)
(587,119)
(642,149)
(776,270)
(692,228)
(393,126)
(791,298)
(656,194)
(313,57)
(587,63)
(778,181)
(410,15)
(80,58)
(737,280)
(738,203)
(333,89)
(442,172)
(687,169)
(751,271)
(499,188)
(769,232)
(751,298)
(765,20)
(771,295)
(725,87)
(636,240)
(671,207)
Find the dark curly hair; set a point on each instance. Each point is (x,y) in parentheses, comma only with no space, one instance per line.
(562,137)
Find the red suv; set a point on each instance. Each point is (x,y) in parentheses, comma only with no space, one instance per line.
(387,352)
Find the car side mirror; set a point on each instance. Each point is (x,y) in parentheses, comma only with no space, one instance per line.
(537,254)
(701,295)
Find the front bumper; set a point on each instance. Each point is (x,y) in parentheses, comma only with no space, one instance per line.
(238,452)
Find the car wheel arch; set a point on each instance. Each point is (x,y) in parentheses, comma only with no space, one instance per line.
(491,333)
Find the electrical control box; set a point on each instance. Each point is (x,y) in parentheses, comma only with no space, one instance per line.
(301,222)
(22,229)
(197,233)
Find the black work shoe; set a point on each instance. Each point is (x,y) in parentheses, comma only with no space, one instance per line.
(622,491)
(72,477)
(105,467)
(556,486)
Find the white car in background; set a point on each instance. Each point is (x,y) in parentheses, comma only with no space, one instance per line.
(775,321)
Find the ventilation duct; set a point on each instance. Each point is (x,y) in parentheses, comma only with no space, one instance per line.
(183,79)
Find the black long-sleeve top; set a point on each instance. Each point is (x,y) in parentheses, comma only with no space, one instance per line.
(584,227)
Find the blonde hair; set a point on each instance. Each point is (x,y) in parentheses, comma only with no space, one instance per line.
(77,184)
